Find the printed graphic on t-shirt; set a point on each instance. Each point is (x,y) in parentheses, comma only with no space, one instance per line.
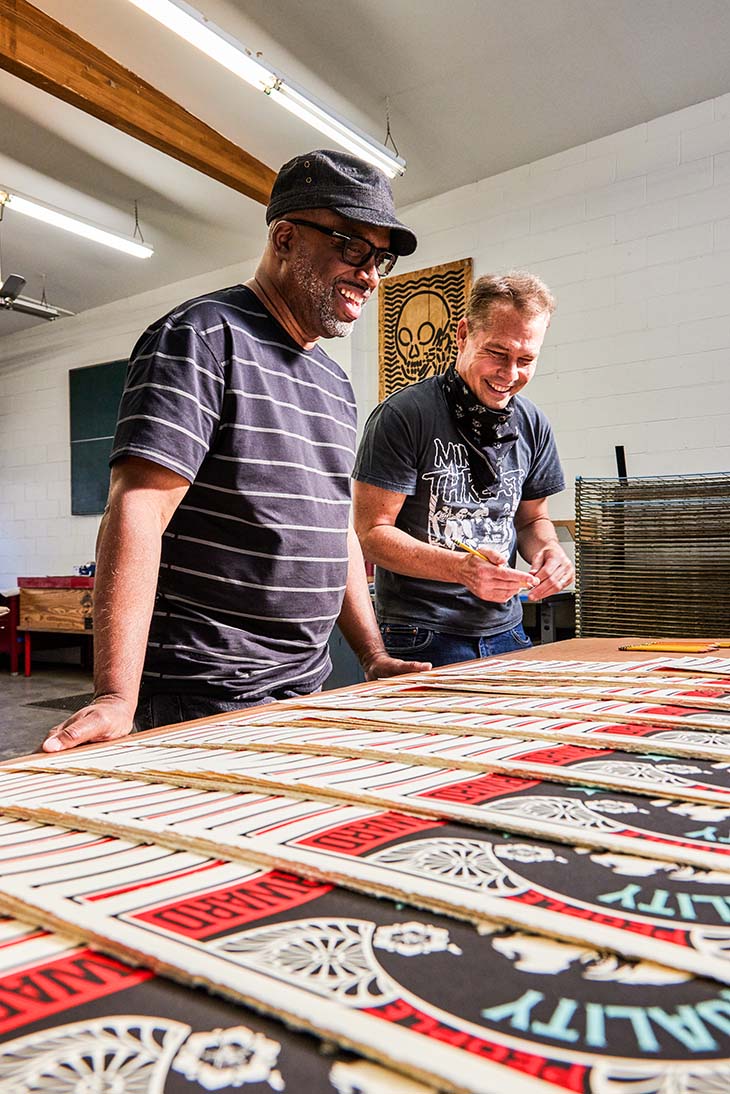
(459,513)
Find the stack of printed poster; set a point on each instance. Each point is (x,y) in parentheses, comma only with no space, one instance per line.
(503,876)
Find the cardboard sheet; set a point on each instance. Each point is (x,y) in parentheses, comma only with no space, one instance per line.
(398,986)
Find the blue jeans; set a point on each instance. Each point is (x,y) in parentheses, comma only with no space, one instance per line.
(420,644)
(163,709)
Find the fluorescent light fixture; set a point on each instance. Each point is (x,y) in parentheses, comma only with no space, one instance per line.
(191,25)
(31,208)
(36,308)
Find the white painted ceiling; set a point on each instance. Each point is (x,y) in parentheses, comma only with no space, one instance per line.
(474,87)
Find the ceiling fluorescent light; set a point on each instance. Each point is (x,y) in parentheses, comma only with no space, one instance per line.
(48,215)
(191,25)
(36,308)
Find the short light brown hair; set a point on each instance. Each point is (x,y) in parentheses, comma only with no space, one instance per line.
(520,290)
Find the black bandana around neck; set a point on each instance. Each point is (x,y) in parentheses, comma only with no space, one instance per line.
(486,433)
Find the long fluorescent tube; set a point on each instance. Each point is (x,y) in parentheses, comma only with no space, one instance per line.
(48,215)
(36,308)
(191,25)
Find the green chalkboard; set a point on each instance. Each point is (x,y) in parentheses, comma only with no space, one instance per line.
(94,394)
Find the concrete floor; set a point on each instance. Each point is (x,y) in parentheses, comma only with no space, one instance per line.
(22,727)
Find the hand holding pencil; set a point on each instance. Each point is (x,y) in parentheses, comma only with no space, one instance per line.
(486,574)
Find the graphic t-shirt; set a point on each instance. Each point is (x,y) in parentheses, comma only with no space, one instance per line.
(410,446)
(254,560)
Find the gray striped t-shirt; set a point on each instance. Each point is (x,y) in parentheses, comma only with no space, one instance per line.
(254,560)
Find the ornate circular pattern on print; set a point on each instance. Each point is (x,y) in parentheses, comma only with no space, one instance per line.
(120,1055)
(467,863)
(668,774)
(667,1079)
(332,957)
(567,811)
(693,737)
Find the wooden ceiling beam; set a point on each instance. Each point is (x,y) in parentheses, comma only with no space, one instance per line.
(45,53)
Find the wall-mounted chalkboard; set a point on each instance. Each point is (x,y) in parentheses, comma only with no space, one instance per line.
(94,394)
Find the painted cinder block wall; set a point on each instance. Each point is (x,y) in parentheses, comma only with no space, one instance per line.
(632,232)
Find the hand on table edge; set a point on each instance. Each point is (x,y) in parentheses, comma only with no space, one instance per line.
(381,665)
(106,718)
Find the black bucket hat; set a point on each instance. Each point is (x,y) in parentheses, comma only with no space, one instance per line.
(336,180)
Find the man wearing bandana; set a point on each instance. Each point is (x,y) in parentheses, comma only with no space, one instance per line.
(462,463)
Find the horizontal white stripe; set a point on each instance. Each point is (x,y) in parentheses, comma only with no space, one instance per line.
(277,683)
(291,379)
(154,456)
(172,323)
(283,463)
(163,421)
(85,440)
(176,391)
(216,654)
(280,345)
(253,554)
(175,357)
(300,676)
(258,585)
(239,615)
(272,494)
(288,433)
(299,646)
(292,406)
(224,304)
(256,523)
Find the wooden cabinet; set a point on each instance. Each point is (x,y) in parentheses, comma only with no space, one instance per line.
(69,610)
(60,605)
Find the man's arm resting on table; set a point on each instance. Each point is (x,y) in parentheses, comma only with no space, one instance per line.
(537,542)
(359,626)
(376,511)
(142,498)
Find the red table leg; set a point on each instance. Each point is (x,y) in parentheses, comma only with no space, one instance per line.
(26,651)
(14,636)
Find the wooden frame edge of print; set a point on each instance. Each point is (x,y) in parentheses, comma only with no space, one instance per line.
(450,285)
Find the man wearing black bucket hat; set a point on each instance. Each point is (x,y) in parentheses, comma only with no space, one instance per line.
(225,555)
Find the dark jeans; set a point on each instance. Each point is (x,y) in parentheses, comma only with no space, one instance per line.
(163,709)
(419,644)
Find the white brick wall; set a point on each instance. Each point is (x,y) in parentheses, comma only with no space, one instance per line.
(632,232)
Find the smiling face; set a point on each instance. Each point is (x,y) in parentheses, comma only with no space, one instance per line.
(498,358)
(325,293)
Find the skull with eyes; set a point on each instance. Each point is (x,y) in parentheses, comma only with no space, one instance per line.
(423,336)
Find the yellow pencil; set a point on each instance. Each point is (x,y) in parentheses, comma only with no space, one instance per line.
(471,551)
(671,648)
(477,554)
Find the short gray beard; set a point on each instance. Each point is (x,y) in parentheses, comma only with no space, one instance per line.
(319,298)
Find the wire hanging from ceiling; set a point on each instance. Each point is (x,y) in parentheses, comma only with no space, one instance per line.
(388,134)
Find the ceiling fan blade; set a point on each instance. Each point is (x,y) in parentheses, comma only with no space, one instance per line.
(11,287)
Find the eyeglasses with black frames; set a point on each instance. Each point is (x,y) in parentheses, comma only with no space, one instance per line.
(355,251)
